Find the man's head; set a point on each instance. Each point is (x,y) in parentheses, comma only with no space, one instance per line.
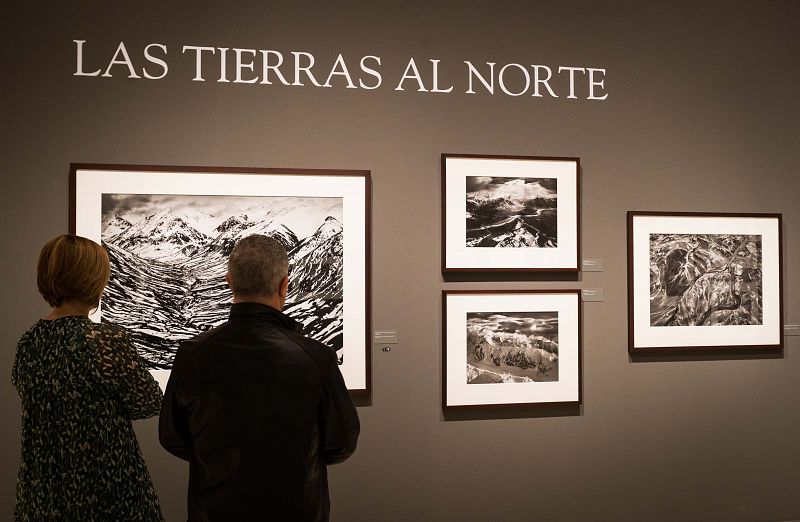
(258,270)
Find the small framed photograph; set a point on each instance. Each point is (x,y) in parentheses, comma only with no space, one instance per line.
(509,348)
(169,232)
(510,213)
(704,281)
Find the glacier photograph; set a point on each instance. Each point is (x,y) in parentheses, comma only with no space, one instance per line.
(169,257)
(705,280)
(511,212)
(512,347)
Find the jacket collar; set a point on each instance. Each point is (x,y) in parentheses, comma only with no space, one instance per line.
(262,312)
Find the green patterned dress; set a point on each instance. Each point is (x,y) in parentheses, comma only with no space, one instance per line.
(81,384)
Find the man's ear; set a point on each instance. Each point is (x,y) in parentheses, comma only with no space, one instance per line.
(284,287)
(228,278)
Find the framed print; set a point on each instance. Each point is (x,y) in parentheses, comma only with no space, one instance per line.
(169,232)
(510,348)
(704,281)
(510,213)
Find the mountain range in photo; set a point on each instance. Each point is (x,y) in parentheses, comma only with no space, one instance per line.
(512,212)
(512,347)
(169,257)
(705,280)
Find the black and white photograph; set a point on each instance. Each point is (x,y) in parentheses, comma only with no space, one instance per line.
(512,212)
(169,231)
(169,257)
(507,347)
(702,281)
(705,279)
(510,348)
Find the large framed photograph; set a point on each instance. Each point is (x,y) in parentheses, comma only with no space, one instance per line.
(169,232)
(505,348)
(703,281)
(510,213)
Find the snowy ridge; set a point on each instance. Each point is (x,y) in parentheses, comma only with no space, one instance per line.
(162,235)
(516,191)
(237,227)
(512,232)
(316,269)
(475,374)
(115,225)
(511,344)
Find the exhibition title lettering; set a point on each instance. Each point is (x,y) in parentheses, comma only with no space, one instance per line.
(296,68)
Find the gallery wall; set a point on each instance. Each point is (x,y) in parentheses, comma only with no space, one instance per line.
(701,115)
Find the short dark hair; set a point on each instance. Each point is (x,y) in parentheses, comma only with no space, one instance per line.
(72,268)
(257,265)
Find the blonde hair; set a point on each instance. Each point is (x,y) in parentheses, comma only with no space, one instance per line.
(72,268)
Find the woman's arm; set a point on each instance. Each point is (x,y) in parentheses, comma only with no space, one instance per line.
(120,368)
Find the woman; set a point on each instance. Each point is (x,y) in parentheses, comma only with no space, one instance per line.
(81,384)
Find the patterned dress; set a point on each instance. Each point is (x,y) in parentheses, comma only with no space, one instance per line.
(81,384)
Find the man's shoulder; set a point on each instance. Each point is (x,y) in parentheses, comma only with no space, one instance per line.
(204,337)
(321,353)
(195,344)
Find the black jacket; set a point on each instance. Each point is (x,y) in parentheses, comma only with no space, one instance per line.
(258,410)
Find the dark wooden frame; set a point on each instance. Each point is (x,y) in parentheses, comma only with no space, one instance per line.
(366,174)
(446,269)
(634,350)
(517,405)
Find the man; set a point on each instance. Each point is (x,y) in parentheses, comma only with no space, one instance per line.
(257,409)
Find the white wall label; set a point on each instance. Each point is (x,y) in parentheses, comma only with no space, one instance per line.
(592,294)
(384,337)
(592,265)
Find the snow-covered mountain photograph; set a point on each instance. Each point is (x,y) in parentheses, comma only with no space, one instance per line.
(705,280)
(511,212)
(169,257)
(512,347)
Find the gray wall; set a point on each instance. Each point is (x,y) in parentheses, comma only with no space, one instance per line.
(702,115)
